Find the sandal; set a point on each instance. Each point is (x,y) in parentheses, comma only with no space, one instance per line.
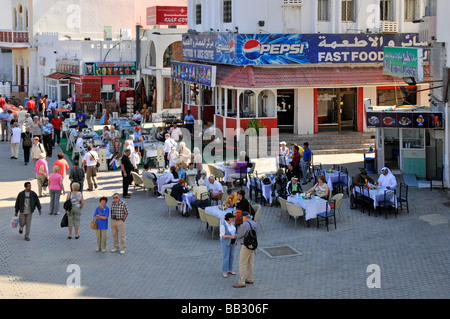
(232,273)
(70,237)
(225,275)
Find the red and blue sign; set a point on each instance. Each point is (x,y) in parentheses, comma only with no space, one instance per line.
(195,73)
(285,49)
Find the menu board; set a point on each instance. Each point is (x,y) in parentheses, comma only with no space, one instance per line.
(109,68)
(405,120)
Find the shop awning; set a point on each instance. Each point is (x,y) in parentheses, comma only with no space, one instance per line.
(265,77)
(58,76)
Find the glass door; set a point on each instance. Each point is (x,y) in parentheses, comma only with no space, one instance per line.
(337,109)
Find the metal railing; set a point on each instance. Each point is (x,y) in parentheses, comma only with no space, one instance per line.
(14,36)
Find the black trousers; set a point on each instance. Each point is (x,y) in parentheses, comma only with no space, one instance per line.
(57,137)
(48,144)
(26,154)
(126,181)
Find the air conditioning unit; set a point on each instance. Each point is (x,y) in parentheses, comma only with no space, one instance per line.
(388,27)
(292,2)
(427,29)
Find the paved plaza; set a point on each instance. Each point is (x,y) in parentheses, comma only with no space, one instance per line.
(171,258)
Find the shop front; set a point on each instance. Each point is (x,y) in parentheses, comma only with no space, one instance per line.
(408,138)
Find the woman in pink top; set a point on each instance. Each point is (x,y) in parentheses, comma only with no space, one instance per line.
(56,186)
(41,173)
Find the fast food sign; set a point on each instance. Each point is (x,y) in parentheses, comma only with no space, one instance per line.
(167,15)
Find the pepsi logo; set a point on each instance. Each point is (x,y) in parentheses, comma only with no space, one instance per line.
(251,49)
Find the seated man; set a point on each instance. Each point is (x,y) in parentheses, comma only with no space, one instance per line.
(231,198)
(361,179)
(215,188)
(148,174)
(293,187)
(202,198)
(387,179)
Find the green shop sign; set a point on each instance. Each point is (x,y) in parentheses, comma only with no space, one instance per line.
(403,62)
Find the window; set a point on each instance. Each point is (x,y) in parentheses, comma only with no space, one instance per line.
(348,10)
(323,10)
(386,10)
(227,16)
(198,14)
(411,10)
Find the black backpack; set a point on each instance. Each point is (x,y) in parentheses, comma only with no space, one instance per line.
(250,240)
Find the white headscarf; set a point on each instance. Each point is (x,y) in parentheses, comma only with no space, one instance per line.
(387,180)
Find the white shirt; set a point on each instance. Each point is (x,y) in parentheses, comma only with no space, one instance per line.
(137,117)
(388,180)
(231,229)
(135,159)
(91,158)
(168,144)
(175,135)
(16,133)
(216,187)
(53,105)
(80,145)
(173,158)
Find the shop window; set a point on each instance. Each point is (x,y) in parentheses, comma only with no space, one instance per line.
(390,97)
(247,104)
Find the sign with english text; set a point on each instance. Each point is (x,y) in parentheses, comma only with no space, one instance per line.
(166,15)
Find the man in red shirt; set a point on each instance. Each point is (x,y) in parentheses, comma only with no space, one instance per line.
(57,124)
(2,102)
(31,106)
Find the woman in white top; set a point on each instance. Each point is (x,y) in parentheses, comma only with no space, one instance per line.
(284,154)
(137,118)
(228,242)
(14,140)
(173,156)
(387,179)
(106,135)
(185,153)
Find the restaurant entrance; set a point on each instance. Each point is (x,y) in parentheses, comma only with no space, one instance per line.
(285,110)
(337,109)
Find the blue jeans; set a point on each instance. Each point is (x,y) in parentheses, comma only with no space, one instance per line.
(305,166)
(228,257)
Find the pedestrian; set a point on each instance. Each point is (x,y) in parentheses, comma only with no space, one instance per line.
(136,159)
(27,143)
(31,106)
(4,123)
(243,204)
(189,121)
(246,256)
(168,143)
(119,214)
(126,168)
(90,167)
(47,136)
(36,150)
(74,215)
(36,128)
(306,161)
(101,216)
(62,164)
(26,203)
(57,124)
(296,161)
(228,241)
(56,187)
(41,168)
(175,133)
(14,140)
(21,115)
(76,175)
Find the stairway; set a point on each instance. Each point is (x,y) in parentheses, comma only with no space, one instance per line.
(332,143)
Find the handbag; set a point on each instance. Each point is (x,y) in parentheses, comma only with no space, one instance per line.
(68,204)
(45,183)
(94,224)
(65,221)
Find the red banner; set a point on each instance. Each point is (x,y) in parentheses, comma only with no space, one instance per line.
(166,15)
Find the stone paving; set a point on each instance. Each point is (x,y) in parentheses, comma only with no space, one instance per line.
(171,258)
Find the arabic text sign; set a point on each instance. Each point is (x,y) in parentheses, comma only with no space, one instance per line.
(403,62)
(166,15)
(196,73)
(284,49)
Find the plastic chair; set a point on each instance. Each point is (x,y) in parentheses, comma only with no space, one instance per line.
(171,202)
(203,219)
(388,201)
(148,184)
(214,222)
(336,201)
(294,211)
(283,206)
(257,209)
(137,180)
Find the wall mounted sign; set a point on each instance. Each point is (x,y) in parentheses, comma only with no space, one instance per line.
(167,15)
(405,120)
(403,62)
(109,68)
(285,49)
(68,66)
(196,73)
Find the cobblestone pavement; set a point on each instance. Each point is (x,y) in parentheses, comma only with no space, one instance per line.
(171,258)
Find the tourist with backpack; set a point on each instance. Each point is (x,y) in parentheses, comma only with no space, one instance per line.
(247,237)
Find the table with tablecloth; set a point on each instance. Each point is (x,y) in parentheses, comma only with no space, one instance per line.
(336,177)
(377,195)
(226,169)
(312,206)
(218,212)
(266,188)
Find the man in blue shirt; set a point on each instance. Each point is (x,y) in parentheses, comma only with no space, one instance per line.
(305,163)
(189,121)
(81,119)
(138,138)
(47,136)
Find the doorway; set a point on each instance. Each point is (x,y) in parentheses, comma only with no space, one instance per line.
(337,109)
(285,110)
(391,148)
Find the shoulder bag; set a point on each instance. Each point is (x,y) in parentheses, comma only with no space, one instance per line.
(94,224)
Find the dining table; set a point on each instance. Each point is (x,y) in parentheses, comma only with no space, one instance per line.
(311,207)
(376,195)
(218,212)
(336,177)
(265,188)
(226,168)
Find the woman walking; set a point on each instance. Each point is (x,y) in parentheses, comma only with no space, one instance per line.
(36,128)
(101,216)
(37,149)
(228,242)
(56,187)
(27,143)
(76,197)
(41,168)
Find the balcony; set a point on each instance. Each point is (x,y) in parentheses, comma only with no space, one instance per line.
(14,39)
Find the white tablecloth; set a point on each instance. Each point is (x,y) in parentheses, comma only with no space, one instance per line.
(266,188)
(219,213)
(225,169)
(312,206)
(161,179)
(189,198)
(336,178)
(377,195)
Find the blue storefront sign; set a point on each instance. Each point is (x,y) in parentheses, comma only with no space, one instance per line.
(193,72)
(285,49)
